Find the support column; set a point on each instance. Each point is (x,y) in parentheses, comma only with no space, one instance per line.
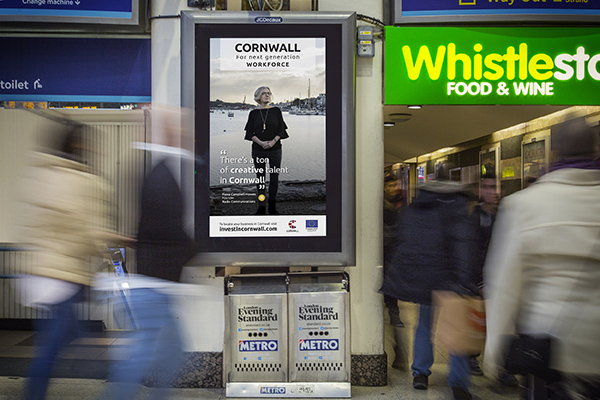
(369,361)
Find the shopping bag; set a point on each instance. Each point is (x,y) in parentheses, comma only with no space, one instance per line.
(460,327)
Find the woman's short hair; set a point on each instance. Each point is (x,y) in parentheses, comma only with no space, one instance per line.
(258,92)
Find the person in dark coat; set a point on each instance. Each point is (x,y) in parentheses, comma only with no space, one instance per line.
(485,215)
(392,202)
(437,250)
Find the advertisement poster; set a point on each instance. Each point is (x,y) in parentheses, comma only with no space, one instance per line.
(275,90)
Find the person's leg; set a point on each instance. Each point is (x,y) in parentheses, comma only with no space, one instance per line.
(459,372)
(393,310)
(423,348)
(274,163)
(474,366)
(56,334)
(169,356)
(150,309)
(261,187)
(581,387)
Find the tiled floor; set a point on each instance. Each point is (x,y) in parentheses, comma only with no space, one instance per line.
(95,350)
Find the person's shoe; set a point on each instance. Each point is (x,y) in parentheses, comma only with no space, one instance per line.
(460,393)
(396,321)
(273,208)
(508,380)
(262,210)
(399,366)
(420,382)
(474,366)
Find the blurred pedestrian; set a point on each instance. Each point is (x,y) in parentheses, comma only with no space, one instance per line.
(392,202)
(543,267)
(485,216)
(66,205)
(437,250)
(163,248)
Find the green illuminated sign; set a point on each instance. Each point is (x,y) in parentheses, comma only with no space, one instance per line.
(432,65)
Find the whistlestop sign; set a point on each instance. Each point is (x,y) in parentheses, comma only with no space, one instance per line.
(447,65)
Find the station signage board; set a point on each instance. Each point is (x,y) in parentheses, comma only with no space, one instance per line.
(447,65)
(63,69)
(71,11)
(410,11)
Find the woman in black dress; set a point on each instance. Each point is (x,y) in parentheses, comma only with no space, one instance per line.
(266,128)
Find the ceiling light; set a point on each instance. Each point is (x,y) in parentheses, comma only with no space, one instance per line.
(388,124)
(415,107)
(400,117)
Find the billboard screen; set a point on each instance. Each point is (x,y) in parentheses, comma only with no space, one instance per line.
(273,122)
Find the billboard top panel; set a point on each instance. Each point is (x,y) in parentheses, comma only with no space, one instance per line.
(474,11)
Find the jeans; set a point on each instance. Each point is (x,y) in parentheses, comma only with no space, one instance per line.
(53,335)
(423,353)
(157,344)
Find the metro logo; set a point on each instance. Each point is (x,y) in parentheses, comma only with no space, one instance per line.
(258,345)
(319,344)
(495,66)
(272,390)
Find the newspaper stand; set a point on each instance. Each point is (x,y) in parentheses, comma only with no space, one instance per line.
(256,334)
(320,333)
(287,335)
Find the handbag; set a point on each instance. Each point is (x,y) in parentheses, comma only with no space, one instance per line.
(528,355)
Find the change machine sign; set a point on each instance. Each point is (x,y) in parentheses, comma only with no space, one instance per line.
(447,65)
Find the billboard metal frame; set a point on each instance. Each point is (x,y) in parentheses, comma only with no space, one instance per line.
(218,252)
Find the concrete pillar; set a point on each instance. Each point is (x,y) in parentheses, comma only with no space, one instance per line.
(368,357)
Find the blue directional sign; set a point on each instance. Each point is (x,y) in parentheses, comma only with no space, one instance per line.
(75,69)
(77,11)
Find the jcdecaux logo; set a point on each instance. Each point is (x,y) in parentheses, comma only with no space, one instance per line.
(489,71)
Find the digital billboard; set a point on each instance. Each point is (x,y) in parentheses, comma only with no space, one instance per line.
(272,99)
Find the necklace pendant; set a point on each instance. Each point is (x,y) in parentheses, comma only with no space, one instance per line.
(264,127)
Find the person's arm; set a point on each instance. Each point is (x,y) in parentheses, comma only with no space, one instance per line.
(503,279)
(463,247)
